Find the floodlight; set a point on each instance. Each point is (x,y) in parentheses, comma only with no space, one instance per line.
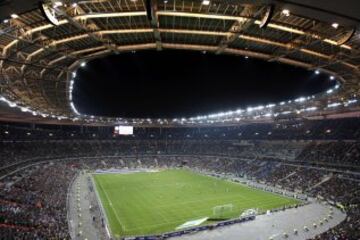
(205,2)
(286,12)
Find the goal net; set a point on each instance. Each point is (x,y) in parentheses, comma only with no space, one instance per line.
(223,211)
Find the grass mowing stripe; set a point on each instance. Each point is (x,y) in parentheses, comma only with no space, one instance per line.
(152,203)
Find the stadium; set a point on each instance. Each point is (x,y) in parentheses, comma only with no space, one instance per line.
(179,119)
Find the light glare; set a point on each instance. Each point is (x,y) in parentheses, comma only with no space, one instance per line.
(286,12)
(205,2)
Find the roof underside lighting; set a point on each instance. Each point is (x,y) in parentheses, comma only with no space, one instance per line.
(286,12)
(14,15)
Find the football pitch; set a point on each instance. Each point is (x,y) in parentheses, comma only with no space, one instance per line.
(157,202)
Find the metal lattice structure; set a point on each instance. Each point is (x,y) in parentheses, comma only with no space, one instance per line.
(38,58)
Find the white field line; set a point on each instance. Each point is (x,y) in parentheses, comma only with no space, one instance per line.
(100,202)
(112,207)
(183,220)
(237,199)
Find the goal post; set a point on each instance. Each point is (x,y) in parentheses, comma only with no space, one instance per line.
(223,211)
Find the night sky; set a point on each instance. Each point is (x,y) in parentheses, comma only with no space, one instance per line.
(173,83)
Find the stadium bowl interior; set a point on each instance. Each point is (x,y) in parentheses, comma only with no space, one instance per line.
(164,119)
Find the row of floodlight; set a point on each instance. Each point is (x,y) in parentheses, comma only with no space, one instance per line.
(57,4)
(317,72)
(237,118)
(27,109)
(249,110)
(13,16)
(71,87)
(264,115)
(345,103)
(29,133)
(237,112)
(286,12)
(237,115)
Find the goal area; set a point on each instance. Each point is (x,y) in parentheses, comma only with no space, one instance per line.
(223,211)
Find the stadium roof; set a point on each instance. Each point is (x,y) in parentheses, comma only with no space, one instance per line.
(38,59)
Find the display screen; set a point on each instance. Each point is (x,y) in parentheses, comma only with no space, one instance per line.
(124,130)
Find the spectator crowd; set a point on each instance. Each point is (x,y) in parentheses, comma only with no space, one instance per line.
(33,196)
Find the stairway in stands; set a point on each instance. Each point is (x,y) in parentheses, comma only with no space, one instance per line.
(324,180)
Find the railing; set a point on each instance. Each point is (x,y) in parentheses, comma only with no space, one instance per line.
(102,210)
(330,167)
(70,226)
(192,230)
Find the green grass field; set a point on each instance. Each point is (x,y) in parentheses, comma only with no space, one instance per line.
(152,203)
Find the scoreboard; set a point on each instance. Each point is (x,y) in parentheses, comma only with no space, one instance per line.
(124,130)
